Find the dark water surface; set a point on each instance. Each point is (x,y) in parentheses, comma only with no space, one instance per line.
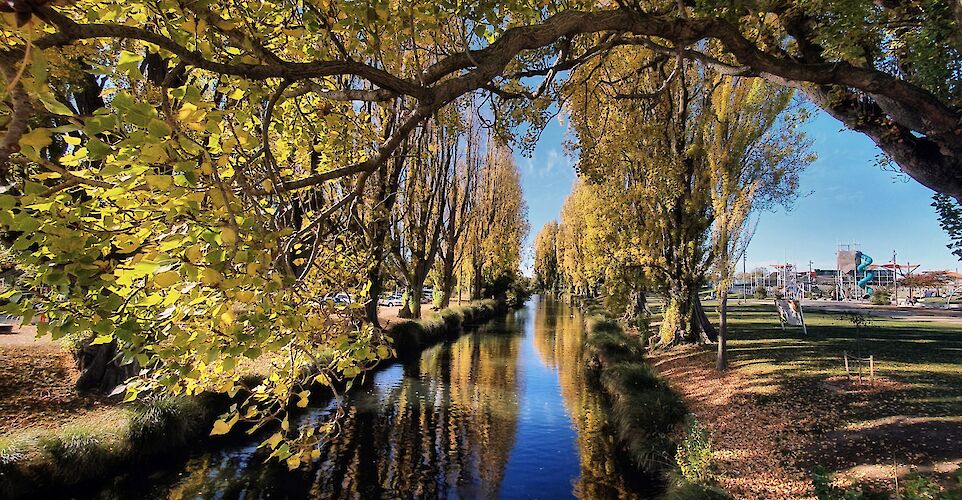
(504,411)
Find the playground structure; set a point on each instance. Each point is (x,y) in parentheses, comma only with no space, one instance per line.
(855,274)
(787,282)
(847,263)
(864,261)
(856,277)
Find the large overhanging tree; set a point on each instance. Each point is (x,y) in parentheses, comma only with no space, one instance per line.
(182,176)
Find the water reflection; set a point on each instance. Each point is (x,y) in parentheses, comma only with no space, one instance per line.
(502,412)
(559,339)
(443,427)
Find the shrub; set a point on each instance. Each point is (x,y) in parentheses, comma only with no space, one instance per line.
(679,488)
(85,448)
(881,296)
(412,336)
(15,447)
(644,410)
(160,423)
(761,293)
(694,454)
(453,319)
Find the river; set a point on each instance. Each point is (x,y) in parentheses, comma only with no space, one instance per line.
(503,411)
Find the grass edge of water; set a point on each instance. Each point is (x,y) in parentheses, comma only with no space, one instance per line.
(645,412)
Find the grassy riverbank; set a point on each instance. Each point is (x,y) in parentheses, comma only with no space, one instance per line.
(411,337)
(646,414)
(95,445)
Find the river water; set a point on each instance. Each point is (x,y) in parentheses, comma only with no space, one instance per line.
(501,412)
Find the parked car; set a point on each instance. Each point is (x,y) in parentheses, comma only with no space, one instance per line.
(394,300)
(339,298)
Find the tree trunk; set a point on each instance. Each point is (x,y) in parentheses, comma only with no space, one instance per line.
(389,178)
(414,300)
(722,361)
(701,325)
(101,369)
(637,307)
(416,290)
(475,278)
(374,291)
(447,278)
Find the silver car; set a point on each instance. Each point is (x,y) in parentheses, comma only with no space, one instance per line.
(391,301)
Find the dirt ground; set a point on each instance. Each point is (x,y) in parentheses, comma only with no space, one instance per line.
(389,315)
(36,383)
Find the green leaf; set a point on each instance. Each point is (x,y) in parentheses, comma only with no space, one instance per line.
(102,339)
(158,128)
(53,105)
(37,138)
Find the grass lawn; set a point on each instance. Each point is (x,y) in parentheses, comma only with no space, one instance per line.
(786,405)
(922,358)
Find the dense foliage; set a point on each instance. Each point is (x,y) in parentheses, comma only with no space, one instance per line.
(670,180)
(949,213)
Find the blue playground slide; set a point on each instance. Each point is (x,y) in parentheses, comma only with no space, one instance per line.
(863,262)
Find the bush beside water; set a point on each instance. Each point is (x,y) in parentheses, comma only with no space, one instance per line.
(410,337)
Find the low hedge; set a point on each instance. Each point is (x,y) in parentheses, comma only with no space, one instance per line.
(411,337)
(644,411)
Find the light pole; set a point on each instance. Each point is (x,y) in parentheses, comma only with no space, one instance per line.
(895,278)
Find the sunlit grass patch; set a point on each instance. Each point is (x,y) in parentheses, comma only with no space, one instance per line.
(94,444)
(917,364)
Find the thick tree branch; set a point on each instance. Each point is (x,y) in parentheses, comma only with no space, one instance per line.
(911,106)
(369,95)
(71,31)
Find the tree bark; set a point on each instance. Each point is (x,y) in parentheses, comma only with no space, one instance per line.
(721,363)
(476,288)
(701,324)
(101,369)
(447,278)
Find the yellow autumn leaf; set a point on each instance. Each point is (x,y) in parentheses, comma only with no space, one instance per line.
(274,440)
(193,254)
(166,279)
(223,427)
(36,138)
(228,236)
(210,277)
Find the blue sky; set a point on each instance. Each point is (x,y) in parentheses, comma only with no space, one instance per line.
(846,198)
